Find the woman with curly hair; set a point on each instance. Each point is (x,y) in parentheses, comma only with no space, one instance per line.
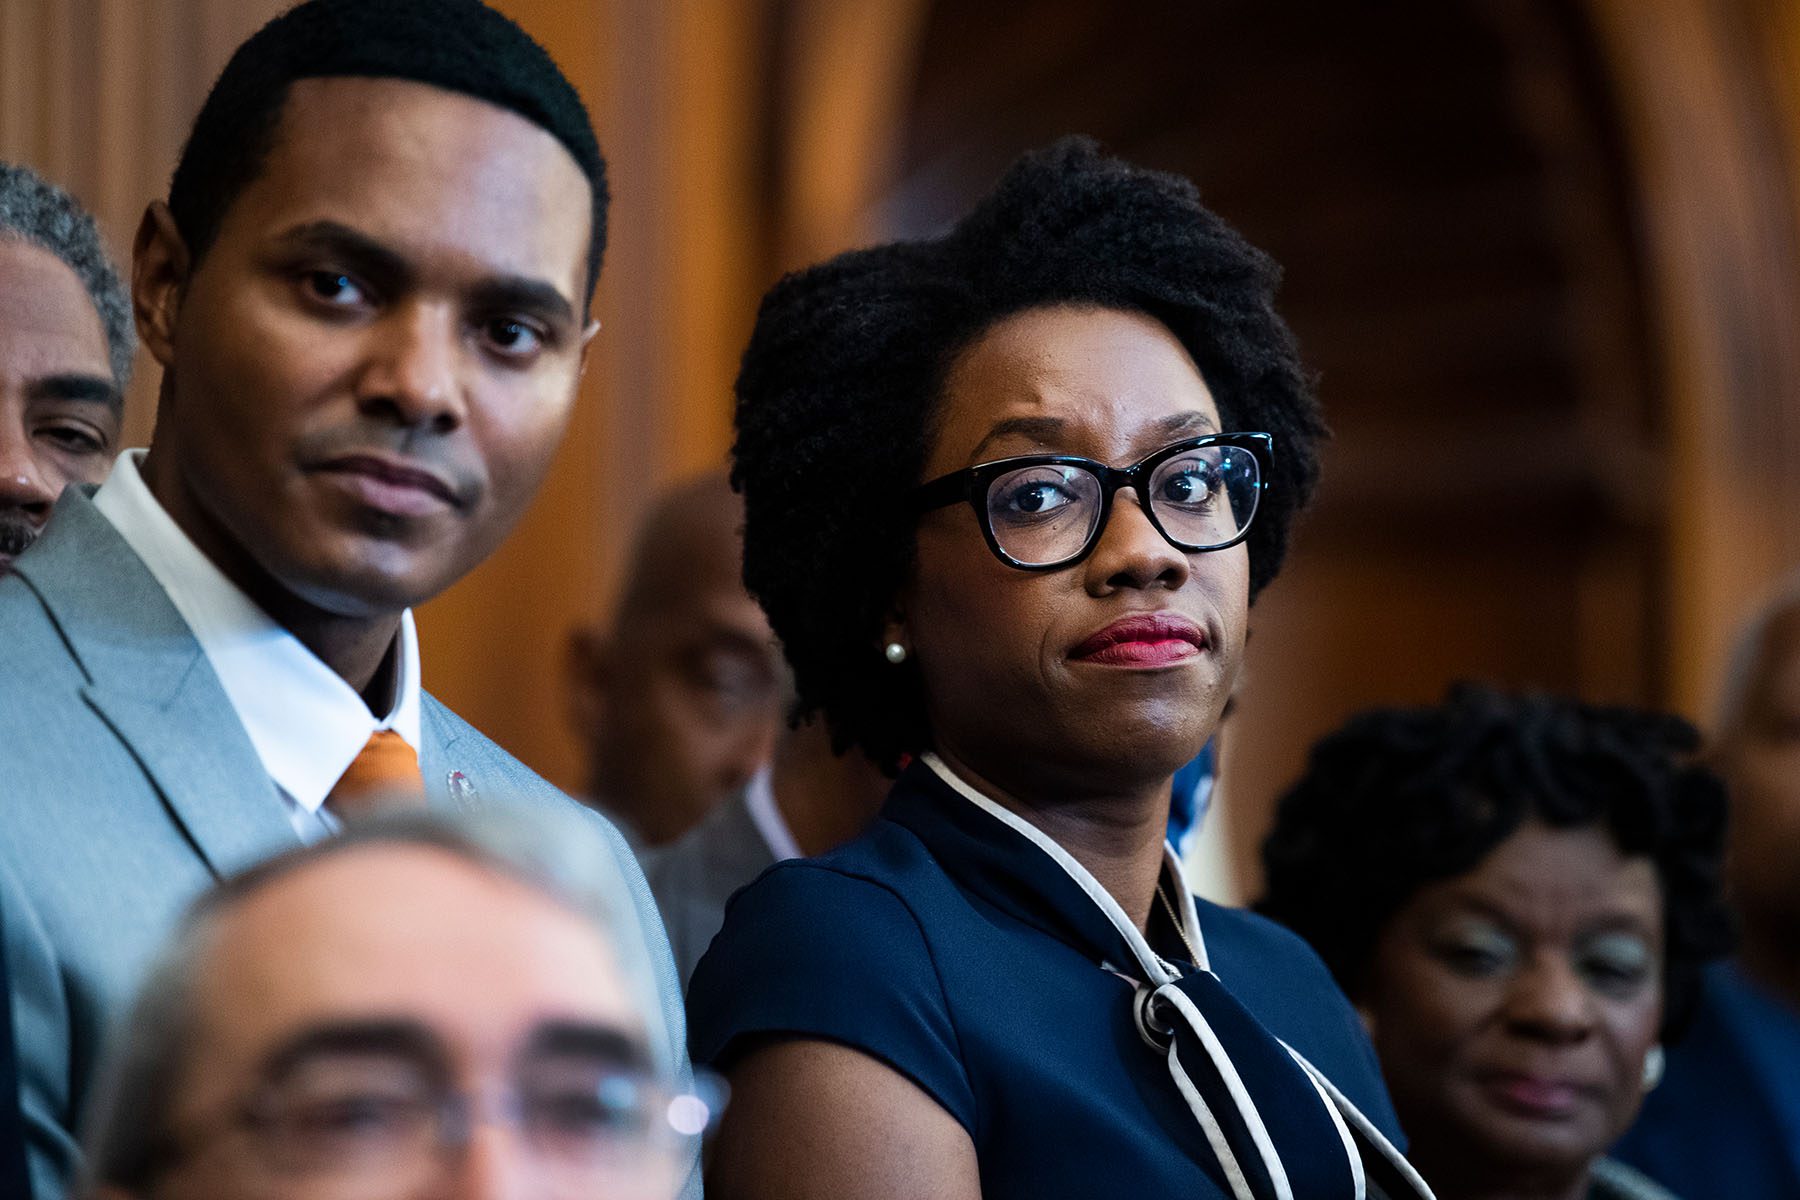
(1008,496)
(1518,893)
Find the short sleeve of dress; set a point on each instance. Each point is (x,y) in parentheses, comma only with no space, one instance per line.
(810,952)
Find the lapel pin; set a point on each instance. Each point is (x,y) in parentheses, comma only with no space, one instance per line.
(462,789)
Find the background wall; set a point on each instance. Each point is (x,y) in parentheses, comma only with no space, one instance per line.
(1545,255)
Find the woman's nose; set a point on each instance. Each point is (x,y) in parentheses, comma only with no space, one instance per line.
(1132,552)
(1549,999)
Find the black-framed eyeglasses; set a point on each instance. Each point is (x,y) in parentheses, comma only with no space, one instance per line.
(1039,512)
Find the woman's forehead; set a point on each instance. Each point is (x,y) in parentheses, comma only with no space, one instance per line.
(1092,381)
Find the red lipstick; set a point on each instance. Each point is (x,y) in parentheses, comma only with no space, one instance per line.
(1144,641)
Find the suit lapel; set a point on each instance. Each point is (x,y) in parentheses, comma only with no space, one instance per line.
(152,684)
(446,787)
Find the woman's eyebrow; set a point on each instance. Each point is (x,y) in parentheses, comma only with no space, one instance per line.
(1192,421)
(1041,429)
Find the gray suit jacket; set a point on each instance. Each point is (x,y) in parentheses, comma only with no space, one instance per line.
(128,786)
(693,876)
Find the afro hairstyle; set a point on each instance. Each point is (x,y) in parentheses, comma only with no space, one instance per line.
(1399,798)
(457,45)
(837,391)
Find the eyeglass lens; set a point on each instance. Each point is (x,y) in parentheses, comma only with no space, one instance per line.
(365,1123)
(1202,498)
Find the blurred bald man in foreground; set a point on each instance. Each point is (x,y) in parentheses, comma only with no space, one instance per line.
(359,1016)
(1726,1119)
(680,701)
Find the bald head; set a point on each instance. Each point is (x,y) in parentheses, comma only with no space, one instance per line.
(679,701)
(1759,754)
(689,548)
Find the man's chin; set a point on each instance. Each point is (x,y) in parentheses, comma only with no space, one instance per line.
(368,587)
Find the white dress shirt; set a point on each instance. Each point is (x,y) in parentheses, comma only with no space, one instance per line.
(306,722)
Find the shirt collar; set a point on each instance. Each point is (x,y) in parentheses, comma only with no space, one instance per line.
(765,814)
(306,723)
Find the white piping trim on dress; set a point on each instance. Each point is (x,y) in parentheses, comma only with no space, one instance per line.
(1337,1103)
(1363,1125)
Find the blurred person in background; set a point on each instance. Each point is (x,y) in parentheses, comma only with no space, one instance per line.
(809,800)
(66,343)
(1519,894)
(679,700)
(362,1016)
(369,294)
(1009,493)
(1726,1120)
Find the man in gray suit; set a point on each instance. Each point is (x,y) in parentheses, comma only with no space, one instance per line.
(368,294)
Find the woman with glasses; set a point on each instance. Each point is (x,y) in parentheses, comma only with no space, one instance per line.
(1009,494)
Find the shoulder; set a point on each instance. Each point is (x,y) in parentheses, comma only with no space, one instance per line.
(831,950)
(489,770)
(805,923)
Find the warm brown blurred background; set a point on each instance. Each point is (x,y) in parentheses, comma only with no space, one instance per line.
(1545,255)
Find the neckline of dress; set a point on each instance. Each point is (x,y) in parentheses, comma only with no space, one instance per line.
(1151,963)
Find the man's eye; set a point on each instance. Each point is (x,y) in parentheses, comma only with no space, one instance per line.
(512,337)
(365,1117)
(334,288)
(73,439)
(587,1115)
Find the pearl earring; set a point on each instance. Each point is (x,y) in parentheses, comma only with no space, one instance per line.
(896,653)
(1654,1062)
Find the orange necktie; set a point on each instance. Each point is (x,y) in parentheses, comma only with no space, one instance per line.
(384,778)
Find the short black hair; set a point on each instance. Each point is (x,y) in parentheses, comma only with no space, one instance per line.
(1399,798)
(836,396)
(458,45)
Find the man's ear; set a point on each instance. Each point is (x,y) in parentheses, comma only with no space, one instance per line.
(587,339)
(587,672)
(159,275)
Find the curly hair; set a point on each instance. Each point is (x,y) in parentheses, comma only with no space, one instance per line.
(34,210)
(1400,798)
(838,389)
(457,45)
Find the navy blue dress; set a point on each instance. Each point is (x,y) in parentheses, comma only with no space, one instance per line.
(946,945)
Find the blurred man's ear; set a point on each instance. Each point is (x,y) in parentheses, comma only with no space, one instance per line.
(587,674)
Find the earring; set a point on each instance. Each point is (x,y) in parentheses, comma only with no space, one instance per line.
(896,653)
(1654,1062)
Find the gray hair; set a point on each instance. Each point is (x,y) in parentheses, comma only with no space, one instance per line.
(36,211)
(560,854)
